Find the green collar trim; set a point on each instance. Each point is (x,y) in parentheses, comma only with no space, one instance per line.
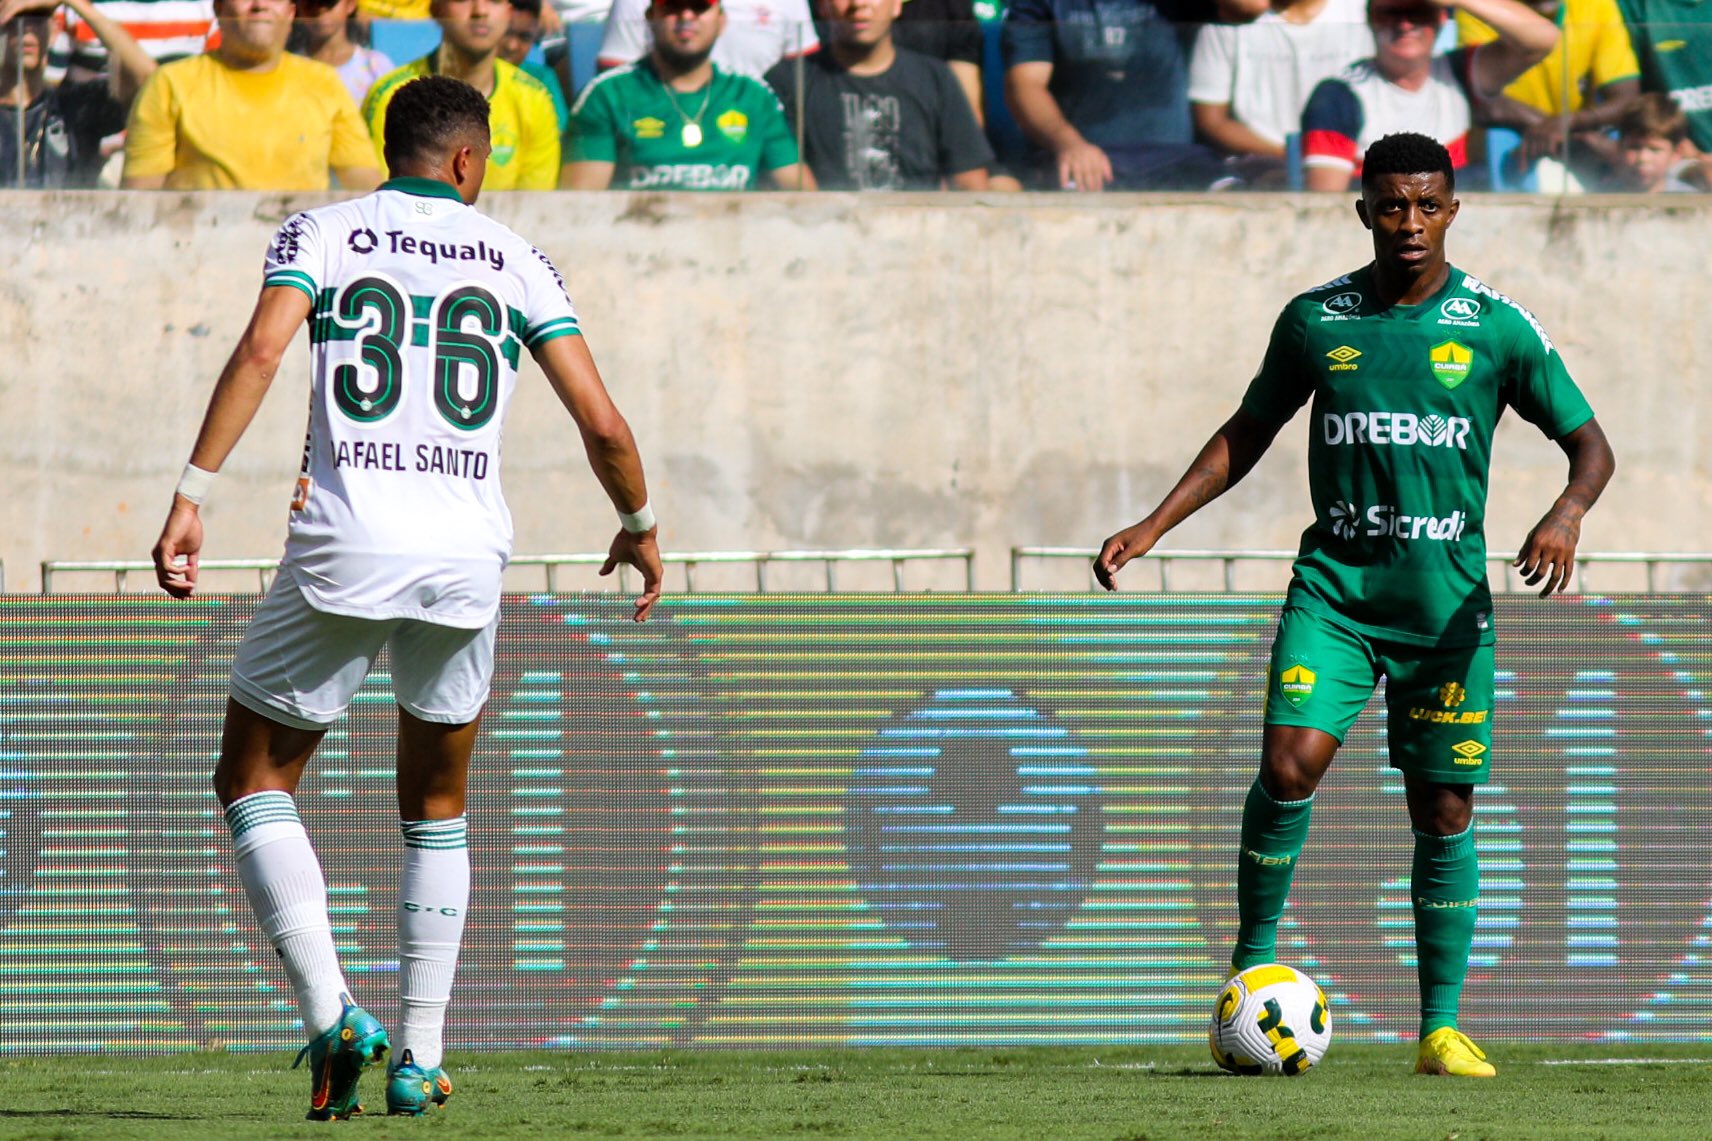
(422,188)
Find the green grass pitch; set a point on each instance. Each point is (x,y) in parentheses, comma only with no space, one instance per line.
(1122,1094)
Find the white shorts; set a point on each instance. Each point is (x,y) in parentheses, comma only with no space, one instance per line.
(301,666)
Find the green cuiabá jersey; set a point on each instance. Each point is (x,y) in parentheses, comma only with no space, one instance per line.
(722,137)
(1406,399)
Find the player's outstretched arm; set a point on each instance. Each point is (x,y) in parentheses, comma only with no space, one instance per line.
(280,311)
(1548,554)
(1229,455)
(1524,39)
(613,455)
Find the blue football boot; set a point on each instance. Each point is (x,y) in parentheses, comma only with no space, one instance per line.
(411,1090)
(338,1058)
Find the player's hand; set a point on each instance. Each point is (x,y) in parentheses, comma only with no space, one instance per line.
(1548,555)
(1083,166)
(10,9)
(1546,138)
(1130,543)
(642,552)
(176,550)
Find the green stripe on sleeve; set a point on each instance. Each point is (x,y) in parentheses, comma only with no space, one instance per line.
(558,327)
(295,278)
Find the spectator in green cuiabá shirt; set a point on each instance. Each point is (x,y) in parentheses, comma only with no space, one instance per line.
(675,120)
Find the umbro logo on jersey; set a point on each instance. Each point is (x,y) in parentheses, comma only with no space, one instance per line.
(1464,311)
(1468,752)
(1345,358)
(363,241)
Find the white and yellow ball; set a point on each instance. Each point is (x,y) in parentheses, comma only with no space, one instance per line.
(1270,1019)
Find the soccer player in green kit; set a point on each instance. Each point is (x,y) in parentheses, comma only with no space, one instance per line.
(1409,363)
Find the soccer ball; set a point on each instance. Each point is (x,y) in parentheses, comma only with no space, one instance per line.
(1270,1019)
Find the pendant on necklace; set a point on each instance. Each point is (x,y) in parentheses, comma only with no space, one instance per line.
(692,134)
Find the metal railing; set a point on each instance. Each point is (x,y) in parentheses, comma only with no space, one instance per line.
(1166,563)
(829,560)
(1164,560)
(1229,560)
(121,569)
(264,569)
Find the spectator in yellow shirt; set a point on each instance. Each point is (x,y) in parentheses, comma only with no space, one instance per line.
(521,118)
(1577,93)
(392,9)
(247,116)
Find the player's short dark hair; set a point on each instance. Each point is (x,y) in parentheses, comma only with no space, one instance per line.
(1406,153)
(430,116)
(1654,115)
(533,7)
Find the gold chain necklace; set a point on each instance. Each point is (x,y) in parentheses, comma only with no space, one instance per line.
(691,133)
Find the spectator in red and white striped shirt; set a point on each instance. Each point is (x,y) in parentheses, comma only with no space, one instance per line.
(1404,87)
(165,29)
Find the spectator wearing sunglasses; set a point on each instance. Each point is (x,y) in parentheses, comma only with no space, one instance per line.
(675,120)
(757,34)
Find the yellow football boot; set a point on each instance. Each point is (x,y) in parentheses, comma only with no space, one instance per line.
(1447,1051)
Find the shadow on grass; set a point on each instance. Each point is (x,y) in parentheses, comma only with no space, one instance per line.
(110,1114)
(1149,1071)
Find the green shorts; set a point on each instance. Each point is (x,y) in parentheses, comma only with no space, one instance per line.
(1438,702)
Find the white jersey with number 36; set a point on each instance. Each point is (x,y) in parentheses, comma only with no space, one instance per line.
(422,309)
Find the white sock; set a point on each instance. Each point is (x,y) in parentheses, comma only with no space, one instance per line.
(288,893)
(433,896)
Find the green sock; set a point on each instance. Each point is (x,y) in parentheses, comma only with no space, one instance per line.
(1273,832)
(1445,887)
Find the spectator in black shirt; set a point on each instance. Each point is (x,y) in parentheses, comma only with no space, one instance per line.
(946,30)
(876,116)
(64,125)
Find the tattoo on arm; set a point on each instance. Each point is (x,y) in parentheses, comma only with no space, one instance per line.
(1202,485)
(1590,468)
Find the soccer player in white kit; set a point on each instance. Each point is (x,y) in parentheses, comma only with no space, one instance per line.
(418,309)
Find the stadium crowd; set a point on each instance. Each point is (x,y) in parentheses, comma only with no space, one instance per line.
(1077,95)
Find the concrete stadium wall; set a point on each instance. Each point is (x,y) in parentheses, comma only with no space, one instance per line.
(843,371)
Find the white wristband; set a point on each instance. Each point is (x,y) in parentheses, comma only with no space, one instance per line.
(639,521)
(195,483)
